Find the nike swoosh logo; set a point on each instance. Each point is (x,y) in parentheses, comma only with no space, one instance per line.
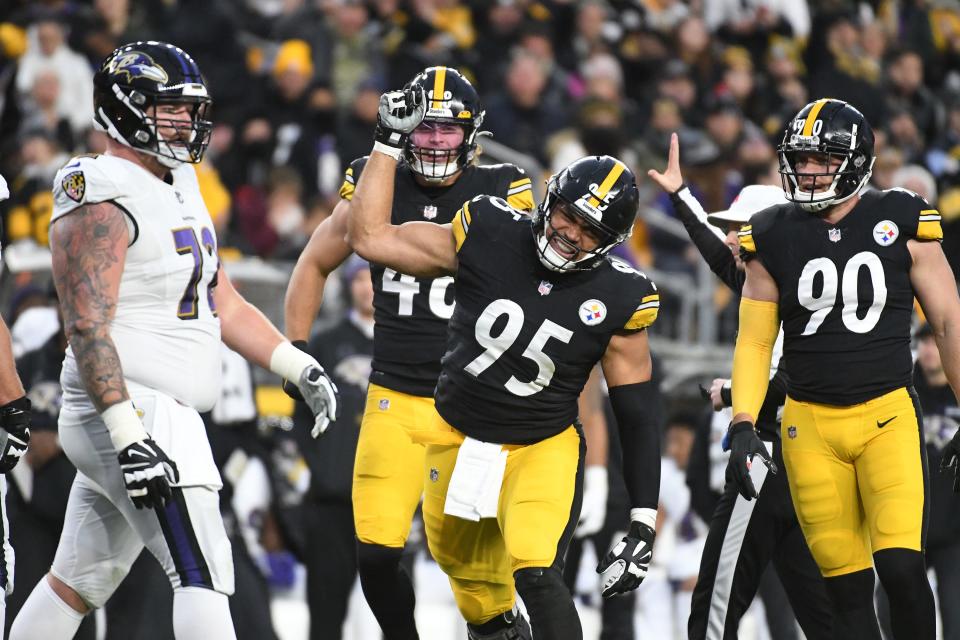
(881,425)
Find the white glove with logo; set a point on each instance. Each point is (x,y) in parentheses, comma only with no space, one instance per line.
(625,565)
(400,113)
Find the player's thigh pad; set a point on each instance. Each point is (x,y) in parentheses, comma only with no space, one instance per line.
(472,551)
(388,471)
(540,499)
(891,471)
(819,449)
(97,544)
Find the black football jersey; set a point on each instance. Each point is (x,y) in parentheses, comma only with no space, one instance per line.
(523,339)
(410,313)
(845,294)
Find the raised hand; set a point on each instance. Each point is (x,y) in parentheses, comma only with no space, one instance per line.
(671,179)
(400,112)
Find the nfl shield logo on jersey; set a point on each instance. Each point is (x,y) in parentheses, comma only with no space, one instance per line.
(885,233)
(593,312)
(545,287)
(74,185)
(429,212)
(834,235)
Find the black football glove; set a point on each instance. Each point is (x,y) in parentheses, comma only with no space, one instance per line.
(290,388)
(14,432)
(625,566)
(400,113)
(951,460)
(745,447)
(148,474)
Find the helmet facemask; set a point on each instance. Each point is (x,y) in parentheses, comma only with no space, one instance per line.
(845,182)
(570,256)
(437,164)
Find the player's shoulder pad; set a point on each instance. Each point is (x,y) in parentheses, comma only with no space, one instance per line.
(483,211)
(760,226)
(87,180)
(351,176)
(913,215)
(637,287)
(511,183)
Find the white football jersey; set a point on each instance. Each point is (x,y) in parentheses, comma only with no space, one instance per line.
(166,330)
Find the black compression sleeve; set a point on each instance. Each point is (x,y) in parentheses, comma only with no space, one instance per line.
(712,248)
(637,409)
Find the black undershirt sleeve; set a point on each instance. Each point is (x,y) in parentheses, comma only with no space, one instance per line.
(637,409)
(712,248)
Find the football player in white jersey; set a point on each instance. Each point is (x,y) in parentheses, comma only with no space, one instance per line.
(14,438)
(145,304)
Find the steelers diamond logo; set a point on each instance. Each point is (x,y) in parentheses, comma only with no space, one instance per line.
(593,312)
(885,233)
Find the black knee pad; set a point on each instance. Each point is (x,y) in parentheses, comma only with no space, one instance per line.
(506,626)
(540,587)
(851,591)
(902,572)
(373,559)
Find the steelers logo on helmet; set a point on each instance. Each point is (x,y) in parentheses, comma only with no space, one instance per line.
(151,96)
(597,194)
(833,134)
(446,140)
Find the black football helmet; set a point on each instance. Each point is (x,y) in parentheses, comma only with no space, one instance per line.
(140,76)
(835,129)
(451,99)
(598,190)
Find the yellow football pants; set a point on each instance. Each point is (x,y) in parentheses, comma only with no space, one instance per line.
(857,478)
(388,471)
(539,500)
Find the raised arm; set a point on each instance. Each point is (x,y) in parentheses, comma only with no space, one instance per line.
(326,250)
(419,249)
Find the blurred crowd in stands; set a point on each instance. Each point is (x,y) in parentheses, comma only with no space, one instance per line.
(296,82)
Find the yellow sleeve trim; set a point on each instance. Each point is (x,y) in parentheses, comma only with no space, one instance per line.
(461,225)
(746,239)
(522,200)
(519,183)
(928,228)
(645,315)
(348,186)
(759,325)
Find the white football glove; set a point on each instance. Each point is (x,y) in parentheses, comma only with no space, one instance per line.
(321,395)
(625,565)
(400,112)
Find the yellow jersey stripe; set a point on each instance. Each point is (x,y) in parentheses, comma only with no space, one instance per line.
(929,230)
(522,199)
(746,241)
(348,176)
(519,183)
(459,228)
(439,80)
(642,318)
(607,183)
(346,190)
(650,298)
(812,116)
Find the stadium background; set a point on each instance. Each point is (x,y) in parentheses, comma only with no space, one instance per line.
(295,86)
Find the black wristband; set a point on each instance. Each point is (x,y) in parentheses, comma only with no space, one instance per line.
(726,396)
(300,344)
(20,404)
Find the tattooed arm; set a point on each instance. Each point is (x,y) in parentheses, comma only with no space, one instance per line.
(89,248)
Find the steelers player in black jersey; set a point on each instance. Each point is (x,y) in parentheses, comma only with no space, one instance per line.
(539,303)
(840,269)
(436,176)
